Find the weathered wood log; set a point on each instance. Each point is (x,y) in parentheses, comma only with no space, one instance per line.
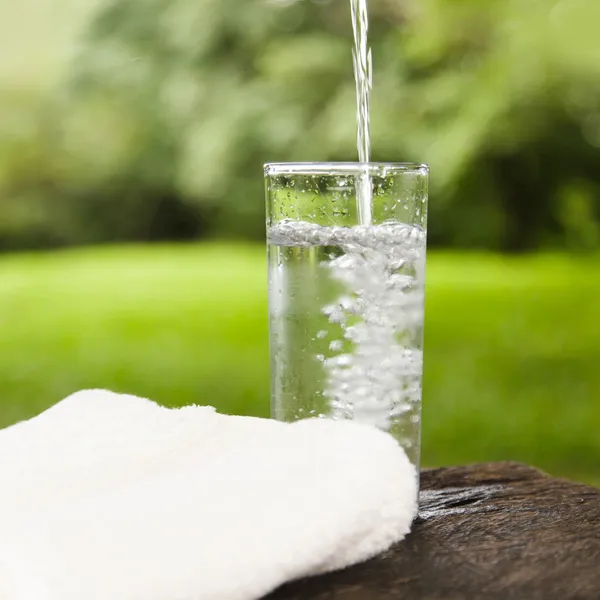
(492,531)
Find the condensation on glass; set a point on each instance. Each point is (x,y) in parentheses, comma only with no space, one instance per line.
(346,254)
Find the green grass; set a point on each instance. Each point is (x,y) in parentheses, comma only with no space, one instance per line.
(512,345)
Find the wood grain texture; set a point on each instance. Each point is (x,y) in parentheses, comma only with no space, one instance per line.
(491,531)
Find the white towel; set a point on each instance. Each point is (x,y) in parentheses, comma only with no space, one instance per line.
(216,508)
(96,440)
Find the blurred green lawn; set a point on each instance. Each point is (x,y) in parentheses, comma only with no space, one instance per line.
(512,344)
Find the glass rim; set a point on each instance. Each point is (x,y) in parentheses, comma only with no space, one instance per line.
(342,168)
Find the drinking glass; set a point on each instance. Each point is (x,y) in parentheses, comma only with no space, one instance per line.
(346,265)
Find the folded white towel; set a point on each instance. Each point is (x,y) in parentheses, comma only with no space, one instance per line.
(96,440)
(257,503)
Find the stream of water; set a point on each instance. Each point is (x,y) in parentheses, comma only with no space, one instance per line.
(363,76)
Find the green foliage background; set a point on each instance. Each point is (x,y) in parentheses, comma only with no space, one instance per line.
(158,121)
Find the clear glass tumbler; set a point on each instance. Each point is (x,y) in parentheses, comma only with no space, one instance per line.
(346,254)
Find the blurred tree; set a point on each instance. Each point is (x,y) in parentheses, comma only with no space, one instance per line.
(171,107)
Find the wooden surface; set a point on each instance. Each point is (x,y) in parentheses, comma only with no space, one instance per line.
(491,531)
